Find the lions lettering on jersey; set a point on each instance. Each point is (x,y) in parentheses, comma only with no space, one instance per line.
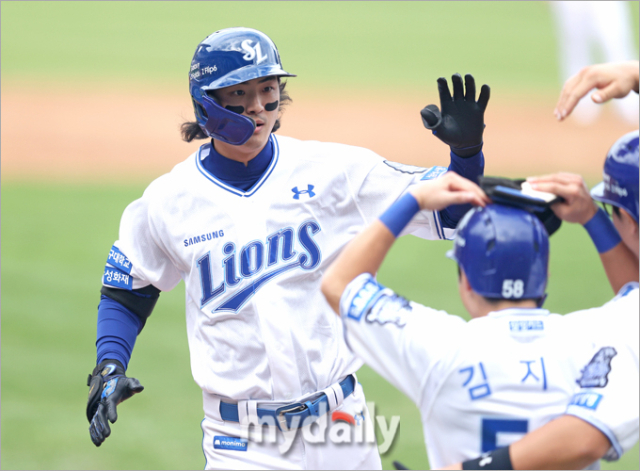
(279,249)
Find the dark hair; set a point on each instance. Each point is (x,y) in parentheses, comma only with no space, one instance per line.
(496,301)
(191,130)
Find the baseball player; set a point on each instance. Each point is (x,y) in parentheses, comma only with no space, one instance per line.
(601,420)
(250,222)
(478,384)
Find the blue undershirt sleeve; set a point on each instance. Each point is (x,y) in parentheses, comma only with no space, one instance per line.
(470,168)
(118,328)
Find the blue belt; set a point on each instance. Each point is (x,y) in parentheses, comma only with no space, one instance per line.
(285,414)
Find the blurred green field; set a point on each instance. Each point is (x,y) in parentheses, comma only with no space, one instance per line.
(55,240)
(362,45)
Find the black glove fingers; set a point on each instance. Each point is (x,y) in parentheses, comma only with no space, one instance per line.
(99,429)
(470,86)
(430,116)
(443,90)
(485,93)
(458,92)
(96,437)
(135,385)
(112,413)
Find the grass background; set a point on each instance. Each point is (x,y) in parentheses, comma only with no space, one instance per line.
(55,237)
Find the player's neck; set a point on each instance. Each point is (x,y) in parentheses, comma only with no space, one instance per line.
(485,307)
(243,154)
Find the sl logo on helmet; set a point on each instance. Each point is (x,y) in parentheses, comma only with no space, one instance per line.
(252,52)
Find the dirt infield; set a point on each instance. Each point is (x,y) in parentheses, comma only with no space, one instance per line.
(127,135)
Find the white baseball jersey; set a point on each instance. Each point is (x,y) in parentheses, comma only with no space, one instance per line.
(607,395)
(480,384)
(257,323)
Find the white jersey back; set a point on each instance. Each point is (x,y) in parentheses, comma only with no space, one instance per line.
(258,325)
(607,394)
(480,384)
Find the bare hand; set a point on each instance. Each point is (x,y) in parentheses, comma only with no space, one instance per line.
(448,190)
(613,80)
(578,205)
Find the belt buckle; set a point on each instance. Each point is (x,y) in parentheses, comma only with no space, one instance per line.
(280,414)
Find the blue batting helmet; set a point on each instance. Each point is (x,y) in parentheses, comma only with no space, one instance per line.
(225,58)
(620,176)
(504,252)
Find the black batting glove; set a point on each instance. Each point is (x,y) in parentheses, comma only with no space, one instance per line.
(108,387)
(460,124)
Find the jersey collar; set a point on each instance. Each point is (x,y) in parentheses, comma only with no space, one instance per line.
(227,173)
(513,311)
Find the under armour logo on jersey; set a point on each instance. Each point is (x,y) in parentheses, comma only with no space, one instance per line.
(252,52)
(308,191)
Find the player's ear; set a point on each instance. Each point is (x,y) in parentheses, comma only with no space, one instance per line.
(627,220)
(463,280)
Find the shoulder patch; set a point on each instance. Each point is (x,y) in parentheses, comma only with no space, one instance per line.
(389,308)
(403,168)
(594,375)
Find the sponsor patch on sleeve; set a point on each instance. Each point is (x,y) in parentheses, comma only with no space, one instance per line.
(220,442)
(361,300)
(434,172)
(119,260)
(116,278)
(589,400)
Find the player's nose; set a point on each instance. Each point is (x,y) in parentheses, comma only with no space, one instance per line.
(254,104)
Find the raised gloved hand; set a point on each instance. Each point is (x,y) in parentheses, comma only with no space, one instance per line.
(460,124)
(108,387)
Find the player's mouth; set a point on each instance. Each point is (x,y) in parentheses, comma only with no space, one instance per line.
(259,125)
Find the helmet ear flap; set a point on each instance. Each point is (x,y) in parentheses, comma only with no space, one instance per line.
(201,114)
(225,125)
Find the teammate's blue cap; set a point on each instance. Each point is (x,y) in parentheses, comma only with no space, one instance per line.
(225,58)
(620,176)
(504,252)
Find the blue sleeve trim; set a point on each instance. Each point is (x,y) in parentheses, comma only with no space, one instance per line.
(606,431)
(439,225)
(400,214)
(602,232)
(118,329)
(470,168)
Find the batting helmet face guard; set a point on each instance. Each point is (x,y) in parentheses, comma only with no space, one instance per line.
(225,58)
(504,252)
(620,176)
